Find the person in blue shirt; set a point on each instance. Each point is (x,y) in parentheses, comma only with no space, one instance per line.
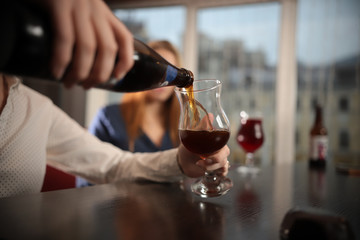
(143,121)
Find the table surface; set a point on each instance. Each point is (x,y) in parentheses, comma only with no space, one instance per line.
(253,209)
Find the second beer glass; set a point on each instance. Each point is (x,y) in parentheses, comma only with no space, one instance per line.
(250,137)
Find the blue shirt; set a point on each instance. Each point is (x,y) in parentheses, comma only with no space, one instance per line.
(109,126)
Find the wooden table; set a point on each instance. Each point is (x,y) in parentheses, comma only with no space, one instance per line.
(253,209)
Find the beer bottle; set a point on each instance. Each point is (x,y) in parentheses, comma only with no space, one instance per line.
(26,45)
(318,140)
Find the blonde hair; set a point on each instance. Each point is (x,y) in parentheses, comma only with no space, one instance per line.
(133,105)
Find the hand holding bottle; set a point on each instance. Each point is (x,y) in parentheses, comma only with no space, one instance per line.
(88,38)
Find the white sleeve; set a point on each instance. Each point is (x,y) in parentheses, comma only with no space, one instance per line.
(74,150)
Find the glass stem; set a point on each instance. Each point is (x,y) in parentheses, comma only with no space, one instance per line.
(249,160)
(211,179)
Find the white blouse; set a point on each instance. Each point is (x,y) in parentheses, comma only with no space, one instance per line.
(34,131)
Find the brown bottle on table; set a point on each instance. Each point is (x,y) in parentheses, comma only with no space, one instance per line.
(318,141)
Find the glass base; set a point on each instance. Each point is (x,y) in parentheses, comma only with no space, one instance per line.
(248,170)
(205,189)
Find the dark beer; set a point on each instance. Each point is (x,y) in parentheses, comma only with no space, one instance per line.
(204,142)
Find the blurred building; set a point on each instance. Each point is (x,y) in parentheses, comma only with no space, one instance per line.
(248,84)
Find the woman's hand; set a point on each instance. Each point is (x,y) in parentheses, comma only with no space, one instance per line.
(193,166)
(88,38)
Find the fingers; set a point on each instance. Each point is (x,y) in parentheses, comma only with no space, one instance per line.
(224,170)
(87,41)
(218,167)
(85,46)
(216,161)
(206,122)
(193,166)
(64,37)
(125,44)
(106,51)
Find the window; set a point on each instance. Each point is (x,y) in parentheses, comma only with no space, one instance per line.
(155,23)
(343,104)
(344,139)
(328,56)
(238,45)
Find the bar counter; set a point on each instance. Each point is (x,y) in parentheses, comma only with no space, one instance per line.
(253,209)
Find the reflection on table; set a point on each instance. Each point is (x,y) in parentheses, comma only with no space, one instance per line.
(253,209)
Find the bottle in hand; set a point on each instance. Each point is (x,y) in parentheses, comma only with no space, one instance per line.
(26,45)
(318,141)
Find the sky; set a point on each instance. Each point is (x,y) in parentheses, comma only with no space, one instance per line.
(257,25)
(161,22)
(328,30)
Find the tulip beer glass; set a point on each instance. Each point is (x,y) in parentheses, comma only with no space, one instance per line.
(204,129)
(250,137)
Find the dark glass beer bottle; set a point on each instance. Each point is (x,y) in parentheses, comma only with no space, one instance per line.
(26,45)
(318,140)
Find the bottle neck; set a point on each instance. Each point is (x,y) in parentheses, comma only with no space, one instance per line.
(318,117)
(188,76)
(318,127)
